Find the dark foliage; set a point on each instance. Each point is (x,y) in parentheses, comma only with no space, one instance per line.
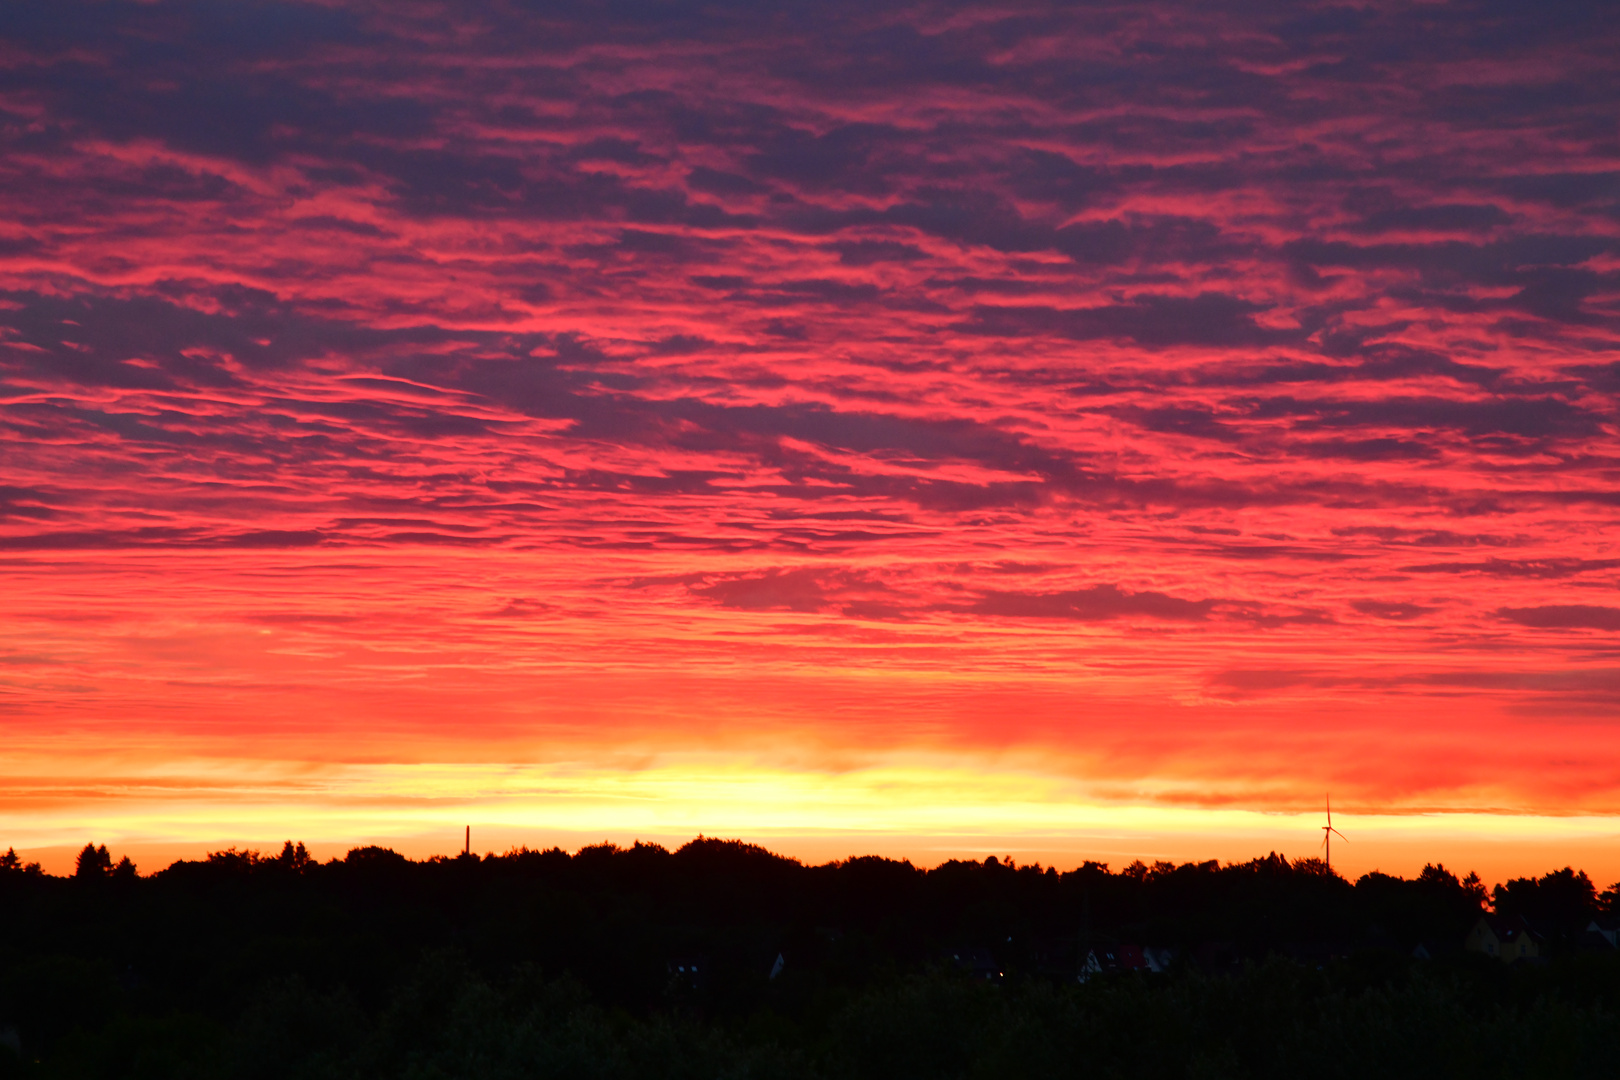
(641,962)
(1560,903)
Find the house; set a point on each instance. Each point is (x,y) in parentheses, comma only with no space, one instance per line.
(687,973)
(1131,958)
(1159,958)
(1112,958)
(1506,937)
(977,963)
(1430,949)
(1590,940)
(1608,928)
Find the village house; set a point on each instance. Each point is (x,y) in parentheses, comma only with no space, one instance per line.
(977,963)
(1508,938)
(1607,928)
(1106,959)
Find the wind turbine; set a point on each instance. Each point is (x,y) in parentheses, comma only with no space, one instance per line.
(1329,832)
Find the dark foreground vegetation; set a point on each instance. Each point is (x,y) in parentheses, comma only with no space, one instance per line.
(722,960)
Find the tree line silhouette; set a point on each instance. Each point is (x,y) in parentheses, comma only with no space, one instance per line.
(724,959)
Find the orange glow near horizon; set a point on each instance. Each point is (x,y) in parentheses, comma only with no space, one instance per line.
(905,432)
(923,810)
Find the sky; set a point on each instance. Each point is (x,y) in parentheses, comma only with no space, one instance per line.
(1062,431)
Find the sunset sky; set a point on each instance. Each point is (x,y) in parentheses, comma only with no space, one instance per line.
(1059,431)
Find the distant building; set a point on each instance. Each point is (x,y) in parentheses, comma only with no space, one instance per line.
(1608,928)
(1106,959)
(1068,958)
(1429,949)
(1158,957)
(977,963)
(1508,938)
(687,973)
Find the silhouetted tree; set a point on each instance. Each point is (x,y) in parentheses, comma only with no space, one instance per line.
(374,965)
(93,862)
(11,863)
(1560,902)
(293,857)
(1436,876)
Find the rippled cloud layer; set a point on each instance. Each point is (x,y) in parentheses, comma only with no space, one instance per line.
(1219,401)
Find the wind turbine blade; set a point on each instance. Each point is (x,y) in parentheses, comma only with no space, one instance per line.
(1341,836)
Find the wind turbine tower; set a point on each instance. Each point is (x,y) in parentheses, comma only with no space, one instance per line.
(1329,832)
